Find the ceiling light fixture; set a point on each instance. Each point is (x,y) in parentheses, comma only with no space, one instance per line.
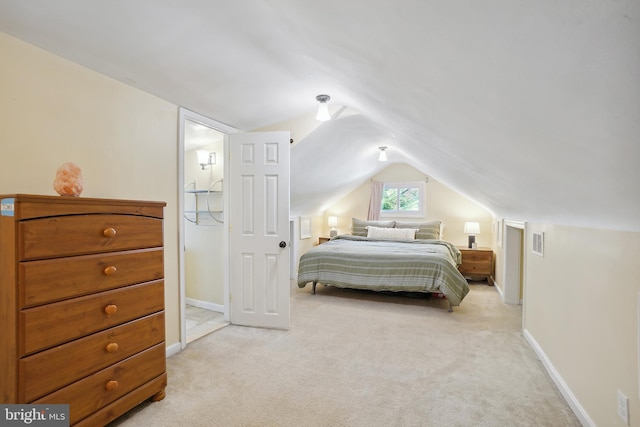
(323,109)
(382,157)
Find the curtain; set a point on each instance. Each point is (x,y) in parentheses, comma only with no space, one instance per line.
(375,200)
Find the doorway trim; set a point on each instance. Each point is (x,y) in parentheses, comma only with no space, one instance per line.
(515,263)
(184,114)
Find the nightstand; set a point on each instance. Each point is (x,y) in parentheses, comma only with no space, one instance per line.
(321,240)
(477,263)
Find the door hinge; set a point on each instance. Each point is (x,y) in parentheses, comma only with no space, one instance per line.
(230,298)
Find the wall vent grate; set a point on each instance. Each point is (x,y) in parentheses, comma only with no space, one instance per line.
(538,244)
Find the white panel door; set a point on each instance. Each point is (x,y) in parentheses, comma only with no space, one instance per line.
(259,229)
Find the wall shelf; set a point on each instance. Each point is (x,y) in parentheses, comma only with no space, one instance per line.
(204,206)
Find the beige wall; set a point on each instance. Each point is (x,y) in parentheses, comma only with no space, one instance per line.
(581,307)
(442,204)
(124,140)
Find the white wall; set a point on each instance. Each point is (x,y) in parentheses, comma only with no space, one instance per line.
(124,140)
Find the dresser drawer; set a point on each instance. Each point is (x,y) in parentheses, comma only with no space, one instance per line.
(52,369)
(98,390)
(86,234)
(63,278)
(57,323)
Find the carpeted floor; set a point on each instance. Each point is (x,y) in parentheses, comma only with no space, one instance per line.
(364,359)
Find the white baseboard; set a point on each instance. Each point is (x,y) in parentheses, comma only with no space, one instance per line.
(204,304)
(499,289)
(173,349)
(576,407)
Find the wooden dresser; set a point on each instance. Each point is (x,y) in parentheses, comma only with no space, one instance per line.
(477,263)
(81,304)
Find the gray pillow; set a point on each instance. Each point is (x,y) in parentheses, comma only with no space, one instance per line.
(426,230)
(359,226)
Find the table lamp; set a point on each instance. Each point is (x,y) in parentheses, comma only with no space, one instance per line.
(472,228)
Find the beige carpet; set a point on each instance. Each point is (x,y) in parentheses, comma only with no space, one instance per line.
(364,359)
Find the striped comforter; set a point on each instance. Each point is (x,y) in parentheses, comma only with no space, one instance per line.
(356,262)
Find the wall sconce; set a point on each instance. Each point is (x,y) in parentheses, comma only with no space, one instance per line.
(333,223)
(323,109)
(472,228)
(382,157)
(206,158)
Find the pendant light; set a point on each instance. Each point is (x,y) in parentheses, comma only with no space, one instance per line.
(382,157)
(323,109)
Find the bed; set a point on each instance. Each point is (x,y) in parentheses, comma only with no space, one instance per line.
(422,263)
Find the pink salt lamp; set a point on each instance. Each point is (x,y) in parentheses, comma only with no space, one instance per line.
(68,181)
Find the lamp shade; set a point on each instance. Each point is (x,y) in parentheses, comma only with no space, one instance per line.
(203,157)
(323,108)
(323,112)
(471,228)
(333,221)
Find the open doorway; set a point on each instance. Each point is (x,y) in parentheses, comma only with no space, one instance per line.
(514,235)
(203,235)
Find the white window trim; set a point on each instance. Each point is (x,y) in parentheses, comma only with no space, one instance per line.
(420,213)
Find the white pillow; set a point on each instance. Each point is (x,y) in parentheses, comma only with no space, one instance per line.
(391,233)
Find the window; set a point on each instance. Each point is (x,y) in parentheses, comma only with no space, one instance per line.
(403,199)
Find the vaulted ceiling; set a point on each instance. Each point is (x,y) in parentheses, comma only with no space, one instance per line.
(532,109)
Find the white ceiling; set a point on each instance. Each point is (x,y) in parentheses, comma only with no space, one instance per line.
(532,109)
(197,136)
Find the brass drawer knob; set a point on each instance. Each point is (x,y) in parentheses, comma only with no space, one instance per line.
(111,385)
(112,347)
(111,309)
(108,271)
(109,232)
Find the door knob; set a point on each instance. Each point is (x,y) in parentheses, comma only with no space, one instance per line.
(283,244)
